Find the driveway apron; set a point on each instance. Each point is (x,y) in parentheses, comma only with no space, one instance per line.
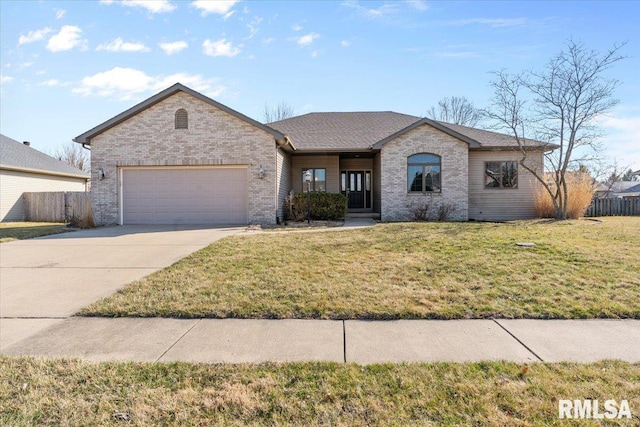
(45,280)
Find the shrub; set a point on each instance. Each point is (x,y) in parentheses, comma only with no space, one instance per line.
(428,210)
(579,192)
(324,206)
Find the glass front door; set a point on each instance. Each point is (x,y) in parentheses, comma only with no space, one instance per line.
(356,185)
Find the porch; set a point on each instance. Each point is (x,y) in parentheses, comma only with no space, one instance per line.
(354,174)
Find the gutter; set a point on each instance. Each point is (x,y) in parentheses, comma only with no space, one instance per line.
(44,172)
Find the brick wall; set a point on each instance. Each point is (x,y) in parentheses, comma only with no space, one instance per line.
(397,202)
(214,137)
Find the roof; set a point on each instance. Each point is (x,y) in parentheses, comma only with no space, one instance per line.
(85,138)
(15,155)
(371,130)
(340,131)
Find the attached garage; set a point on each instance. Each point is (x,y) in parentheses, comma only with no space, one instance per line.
(184,195)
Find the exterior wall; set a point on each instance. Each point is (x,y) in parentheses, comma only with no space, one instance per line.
(495,204)
(397,202)
(356,164)
(14,183)
(302,163)
(283,181)
(377,183)
(214,137)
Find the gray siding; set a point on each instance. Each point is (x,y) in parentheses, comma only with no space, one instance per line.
(283,181)
(330,163)
(494,204)
(14,183)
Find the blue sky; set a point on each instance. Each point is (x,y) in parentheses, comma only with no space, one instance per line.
(68,66)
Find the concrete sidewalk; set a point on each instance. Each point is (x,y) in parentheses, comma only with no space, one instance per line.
(364,342)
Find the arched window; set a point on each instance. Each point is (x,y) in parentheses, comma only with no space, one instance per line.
(423,173)
(182,119)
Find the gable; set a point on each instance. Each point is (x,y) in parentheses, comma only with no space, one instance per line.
(177,89)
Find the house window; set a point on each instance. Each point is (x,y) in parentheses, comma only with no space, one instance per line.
(423,173)
(182,119)
(501,175)
(318,180)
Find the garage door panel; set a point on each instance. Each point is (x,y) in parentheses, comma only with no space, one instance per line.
(184,195)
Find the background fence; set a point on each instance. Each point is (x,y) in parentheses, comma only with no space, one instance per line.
(58,206)
(611,207)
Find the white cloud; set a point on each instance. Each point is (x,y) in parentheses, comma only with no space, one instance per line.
(297,27)
(52,83)
(152,6)
(491,22)
(219,48)
(66,39)
(315,53)
(253,27)
(118,45)
(173,47)
(59,13)
(306,40)
(345,43)
(128,83)
(219,7)
(621,139)
(417,4)
(34,36)
(5,79)
(372,13)
(268,40)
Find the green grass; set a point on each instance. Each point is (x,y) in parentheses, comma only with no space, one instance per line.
(578,269)
(75,393)
(10,231)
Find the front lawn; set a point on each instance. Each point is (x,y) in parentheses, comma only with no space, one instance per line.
(10,231)
(75,393)
(577,269)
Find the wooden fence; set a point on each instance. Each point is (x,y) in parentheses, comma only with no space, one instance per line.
(57,206)
(614,207)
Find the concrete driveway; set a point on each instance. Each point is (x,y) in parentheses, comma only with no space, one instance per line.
(47,279)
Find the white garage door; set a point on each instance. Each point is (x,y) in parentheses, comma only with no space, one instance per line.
(184,196)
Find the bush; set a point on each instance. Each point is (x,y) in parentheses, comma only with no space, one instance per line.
(324,206)
(431,210)
(580,192)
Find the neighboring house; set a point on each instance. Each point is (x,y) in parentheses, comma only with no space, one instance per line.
(618,190)
(24,169)
(181,157)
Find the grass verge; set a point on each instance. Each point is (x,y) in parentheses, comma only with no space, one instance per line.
(578,269)
(10,231)
(71,392)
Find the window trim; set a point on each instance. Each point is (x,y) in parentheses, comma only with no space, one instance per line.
(424,165)
(500,187)
(178,119)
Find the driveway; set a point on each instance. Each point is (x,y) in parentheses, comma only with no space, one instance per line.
(47,279)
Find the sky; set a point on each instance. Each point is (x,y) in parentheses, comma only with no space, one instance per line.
(66,67)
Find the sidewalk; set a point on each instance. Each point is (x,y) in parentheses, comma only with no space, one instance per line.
(364,342)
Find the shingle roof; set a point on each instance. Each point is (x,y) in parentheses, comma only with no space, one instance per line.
(363,130)
(340,131)
(16,155)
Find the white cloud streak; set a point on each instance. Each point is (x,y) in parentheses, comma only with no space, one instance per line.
(128,83)
(60,13)
(307,39)
(66,39)
(5,79)
(34,36)
(151,6)
(172,48)
(218,7)
(119,45)
(219,48)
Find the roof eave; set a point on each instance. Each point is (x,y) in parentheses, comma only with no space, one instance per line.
(45,172)
(85,138)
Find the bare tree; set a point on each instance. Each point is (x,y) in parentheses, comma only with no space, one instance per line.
(280,112)
(456,110)
(558,106)
(74,155)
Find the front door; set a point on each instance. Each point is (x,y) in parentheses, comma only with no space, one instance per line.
(355,190)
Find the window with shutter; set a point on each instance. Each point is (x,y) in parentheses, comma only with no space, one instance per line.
(182,119)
